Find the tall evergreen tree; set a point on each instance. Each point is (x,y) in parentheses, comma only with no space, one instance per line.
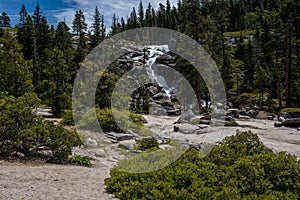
(23,15)
(141,14)
(114,25)
(103,29)
(4,20)
(37,16)
(25,37)
(96,28)
(15,75)
(148,16)
(63,41)
(55,85)
(79,27)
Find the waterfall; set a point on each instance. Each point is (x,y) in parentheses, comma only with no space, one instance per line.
(154,53)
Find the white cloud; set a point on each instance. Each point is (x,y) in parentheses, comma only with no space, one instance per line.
(121,8)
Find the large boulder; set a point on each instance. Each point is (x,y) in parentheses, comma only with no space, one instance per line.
(188,115)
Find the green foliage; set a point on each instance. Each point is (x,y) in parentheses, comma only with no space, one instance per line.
(55,86)
(231,123)
(22,131)
(254,173)
(147,143)
(233,147)
(244,98)
(290,110)
(67,118)
(15,75)
(108,124)
(81,160)
(238,34)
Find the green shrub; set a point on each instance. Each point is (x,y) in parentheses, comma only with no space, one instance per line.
(108,123)
(147,143)
(233,123)
(67,118)
(252,173)
(22,131)
(81,160)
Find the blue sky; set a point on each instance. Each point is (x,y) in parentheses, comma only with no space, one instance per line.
(56,10)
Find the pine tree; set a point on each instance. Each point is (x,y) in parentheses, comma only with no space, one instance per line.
(63,41)
(141,14)
(96,28)
(15,75)
(103,29)
(37,16)
(133,19)
(161,16)
(148,16)
(114,25)
(55,85)
(123,24)
(25,37)
(4,20)
(23,15)
(79,27)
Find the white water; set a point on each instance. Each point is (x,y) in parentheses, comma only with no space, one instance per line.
(154,53)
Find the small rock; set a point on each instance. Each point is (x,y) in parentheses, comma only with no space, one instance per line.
(126,145)
(158,96)
(108,141)
(205,122)
(173,112)
(80,152)
(233,112)
(99,153)
(135,136)
(262,115)
(90,143)
(20,155)
(136,151)
(120,136)
(165,146)
(187,128)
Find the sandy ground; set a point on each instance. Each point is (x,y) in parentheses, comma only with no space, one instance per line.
(49,181)
(29,181)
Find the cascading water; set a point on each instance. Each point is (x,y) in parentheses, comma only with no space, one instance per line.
(154,53)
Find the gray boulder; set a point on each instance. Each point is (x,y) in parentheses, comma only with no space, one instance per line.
(120,136)
(126,145)
(186,116)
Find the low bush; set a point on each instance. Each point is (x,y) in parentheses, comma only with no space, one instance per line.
(233,123)
(147,143)
(22,131)
(81,160)
(67,118)
(107,122)
(240,167)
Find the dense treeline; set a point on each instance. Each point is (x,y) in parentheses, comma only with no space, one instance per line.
(254,43)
